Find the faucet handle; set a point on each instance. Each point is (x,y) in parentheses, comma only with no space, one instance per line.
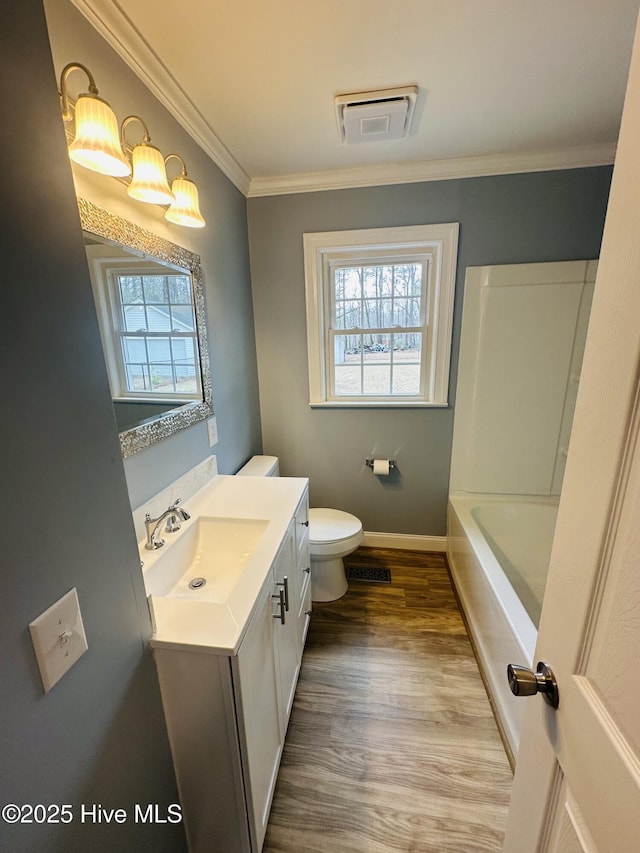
(176,515)
(181,512)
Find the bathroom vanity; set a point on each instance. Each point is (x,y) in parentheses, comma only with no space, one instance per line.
(228,651)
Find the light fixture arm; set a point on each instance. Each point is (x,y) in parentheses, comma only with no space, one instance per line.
(146,138)
(64,94)
(183,173)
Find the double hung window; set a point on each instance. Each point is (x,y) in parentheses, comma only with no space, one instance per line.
(379,311)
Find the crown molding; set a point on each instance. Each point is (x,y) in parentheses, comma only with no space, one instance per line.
(109,19)
(436,170)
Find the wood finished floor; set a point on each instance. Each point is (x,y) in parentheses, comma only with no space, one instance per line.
(391,744)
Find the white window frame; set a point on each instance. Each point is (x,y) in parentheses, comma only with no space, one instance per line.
(437,246)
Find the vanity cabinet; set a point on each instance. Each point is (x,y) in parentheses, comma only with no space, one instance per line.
(227,715)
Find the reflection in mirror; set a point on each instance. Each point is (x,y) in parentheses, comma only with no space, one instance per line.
(151,310)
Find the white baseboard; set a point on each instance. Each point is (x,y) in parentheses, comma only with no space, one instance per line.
(405,541)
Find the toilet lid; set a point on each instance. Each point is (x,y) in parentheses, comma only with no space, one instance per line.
(332,525)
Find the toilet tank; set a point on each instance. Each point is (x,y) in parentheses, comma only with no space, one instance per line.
(260,466)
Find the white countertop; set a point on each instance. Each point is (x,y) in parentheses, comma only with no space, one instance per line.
(219,628)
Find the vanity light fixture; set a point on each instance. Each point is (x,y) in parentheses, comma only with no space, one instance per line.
(185,209)
(149,180)
(96,143)
(99,146)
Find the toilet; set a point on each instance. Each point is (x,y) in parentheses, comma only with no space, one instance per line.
(333,534)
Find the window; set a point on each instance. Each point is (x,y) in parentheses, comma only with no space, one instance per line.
(148,326)
(379,315)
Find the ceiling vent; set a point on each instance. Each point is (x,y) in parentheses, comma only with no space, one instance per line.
(375,116)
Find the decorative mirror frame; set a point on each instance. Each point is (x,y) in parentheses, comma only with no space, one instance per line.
(100,222)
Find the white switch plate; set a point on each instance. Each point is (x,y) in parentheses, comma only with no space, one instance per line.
(212,429)
(58,638)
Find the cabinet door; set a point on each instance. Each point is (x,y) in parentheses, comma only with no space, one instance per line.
(287,634)
(301,520)
(304,612)
(303,568)
(256,691)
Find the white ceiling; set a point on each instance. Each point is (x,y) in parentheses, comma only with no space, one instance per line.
(504,85)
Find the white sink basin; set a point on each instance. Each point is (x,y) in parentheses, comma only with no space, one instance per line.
(206,559)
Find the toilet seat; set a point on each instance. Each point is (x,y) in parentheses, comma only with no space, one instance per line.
(332,526)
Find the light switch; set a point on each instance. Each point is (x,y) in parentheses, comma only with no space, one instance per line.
(212,428)
(58,638)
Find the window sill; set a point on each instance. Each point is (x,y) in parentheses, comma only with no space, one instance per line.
(169,401)
(376,404)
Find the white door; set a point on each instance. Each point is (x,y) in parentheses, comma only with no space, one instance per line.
(577,782)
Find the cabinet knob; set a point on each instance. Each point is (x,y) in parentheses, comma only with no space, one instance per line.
(305,523)
(307,570)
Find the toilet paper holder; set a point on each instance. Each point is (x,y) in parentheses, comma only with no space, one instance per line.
(369,462)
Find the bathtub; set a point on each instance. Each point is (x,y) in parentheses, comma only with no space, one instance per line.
(498,549)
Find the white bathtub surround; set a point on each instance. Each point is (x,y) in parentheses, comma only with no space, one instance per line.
(524,328)
(500,627)
(523,335)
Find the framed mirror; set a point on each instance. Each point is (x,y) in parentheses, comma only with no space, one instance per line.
(150,302)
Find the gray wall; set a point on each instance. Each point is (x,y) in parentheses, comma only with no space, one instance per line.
(98,736)
(222,246)
(507,219)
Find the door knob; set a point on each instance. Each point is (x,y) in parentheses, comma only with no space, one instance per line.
(525,682)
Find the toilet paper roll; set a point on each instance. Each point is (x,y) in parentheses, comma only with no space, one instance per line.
(381,467)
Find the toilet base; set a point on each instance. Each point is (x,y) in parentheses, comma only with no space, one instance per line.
(328,579)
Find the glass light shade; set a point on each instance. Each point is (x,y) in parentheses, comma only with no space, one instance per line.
(96,144)
(185,210)
(149,181)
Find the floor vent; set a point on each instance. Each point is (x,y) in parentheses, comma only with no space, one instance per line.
(366,573)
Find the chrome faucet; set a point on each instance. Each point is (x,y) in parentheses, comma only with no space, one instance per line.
(174,514)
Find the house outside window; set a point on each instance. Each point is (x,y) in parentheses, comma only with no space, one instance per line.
(379,315)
